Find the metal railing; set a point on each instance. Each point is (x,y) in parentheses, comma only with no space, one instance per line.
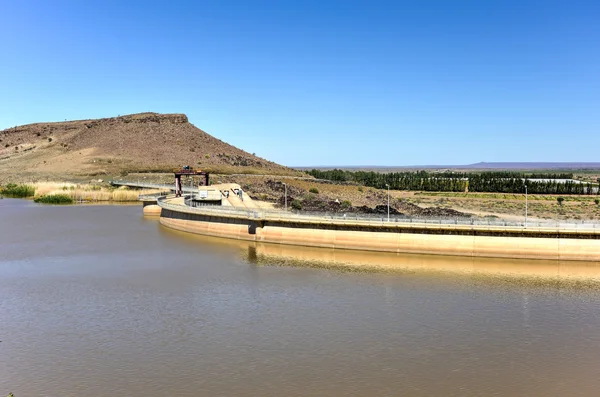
(147,185)
(152,196)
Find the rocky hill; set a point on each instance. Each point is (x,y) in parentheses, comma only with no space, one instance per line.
(142,142)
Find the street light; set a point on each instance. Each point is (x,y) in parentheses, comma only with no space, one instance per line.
(525,205)
(285,186)
(388,188)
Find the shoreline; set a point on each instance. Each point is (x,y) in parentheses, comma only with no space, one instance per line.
(76,204)
(73,193)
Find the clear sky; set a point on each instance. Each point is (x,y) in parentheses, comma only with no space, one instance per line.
(320,82)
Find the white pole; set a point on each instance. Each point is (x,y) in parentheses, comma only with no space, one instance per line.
(525,205)
(388,188)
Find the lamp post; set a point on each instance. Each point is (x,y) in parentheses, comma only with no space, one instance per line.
(285,196)
(525,205)
(388,188)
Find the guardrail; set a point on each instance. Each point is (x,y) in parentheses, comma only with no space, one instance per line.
(152,196)
(350,219)
(146,185)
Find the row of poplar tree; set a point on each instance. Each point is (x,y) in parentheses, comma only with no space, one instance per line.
(488,182)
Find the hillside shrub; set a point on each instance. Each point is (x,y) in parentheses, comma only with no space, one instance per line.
(597,201)
(560,200)
(54,199)
(20,191)
(309,197)
(296,204)
(314,190)
(346,204)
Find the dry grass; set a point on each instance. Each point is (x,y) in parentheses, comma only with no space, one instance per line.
(540,206)
(298,186)
(509,206)
(508,196)
(89,193)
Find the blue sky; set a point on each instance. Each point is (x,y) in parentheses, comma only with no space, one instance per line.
(320,82)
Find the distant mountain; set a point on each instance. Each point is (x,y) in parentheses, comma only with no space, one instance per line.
(477,166)
(533,166)
(137,142)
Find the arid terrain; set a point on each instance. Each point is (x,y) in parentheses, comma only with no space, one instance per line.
(109,147)
(148,146)
(506,206)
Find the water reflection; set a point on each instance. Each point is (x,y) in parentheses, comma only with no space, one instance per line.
(265,254)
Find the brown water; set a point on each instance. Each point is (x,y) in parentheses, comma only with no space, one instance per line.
(98,301)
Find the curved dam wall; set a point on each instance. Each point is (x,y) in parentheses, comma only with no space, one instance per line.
(151,208)
(468,241)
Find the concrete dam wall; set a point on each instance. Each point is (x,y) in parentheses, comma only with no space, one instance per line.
(460,240)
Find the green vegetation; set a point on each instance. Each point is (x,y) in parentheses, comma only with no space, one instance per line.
(21,191)
(54,199)
(487,182)
(492,182)
(422,180)
(314,190)
(560,200)
(346,204)
(297,204)
(597,201)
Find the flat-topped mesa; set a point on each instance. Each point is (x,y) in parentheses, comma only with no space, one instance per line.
(124,144)
(140,118)
(176,118)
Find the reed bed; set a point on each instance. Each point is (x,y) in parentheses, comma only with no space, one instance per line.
(13,190)
(89,193)
(54,199)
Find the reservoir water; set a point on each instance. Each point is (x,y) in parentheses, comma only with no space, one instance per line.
(99,301)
